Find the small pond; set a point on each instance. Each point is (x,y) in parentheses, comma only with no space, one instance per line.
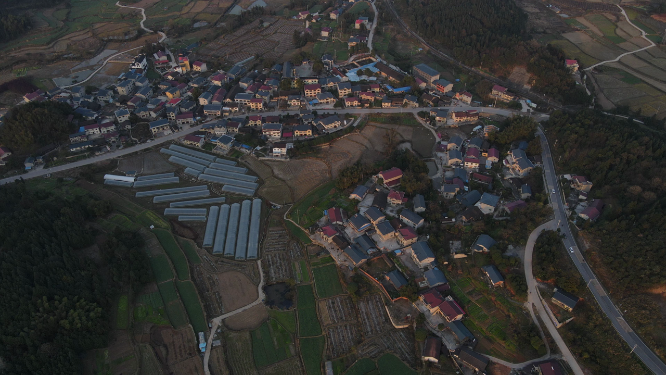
(279,295)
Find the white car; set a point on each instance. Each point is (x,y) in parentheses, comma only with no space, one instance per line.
(571,249)
(553,191)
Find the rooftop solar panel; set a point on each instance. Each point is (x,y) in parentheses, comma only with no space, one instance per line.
(152,193)
(188,151)
(234,175)
(230,244)
(221,231)
(228,181)
(181,196)
(155,176)
(155,182)
(211,226)
(198,202)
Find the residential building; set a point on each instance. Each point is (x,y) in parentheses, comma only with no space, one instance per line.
(443,85)
(186,118)
(464,116)
(419,203)
(483,243)
(472,359)
(385,230)
(125,88)
(435,277)
(487,203)
(344,89)
(422,254)
(303,130)
(81,146)
(593,210)
(426,73)
(352,102)
(159,126)
(374,215)
(199,66)
(359,223)
(455,143)
(359,193)
(552,367)
(501,93)
(451,310)
(397,279)
(140,62)
(122,115)
(380,200)
(493,155)
(193,140)
(225,142)
(493,275)
(279,149)
(365,243)
(406,236)
(449,191)
(330,122)
(390,178)
(396,198)
(432,349)
(212,110)
(471,163)
(572,65)
(355,255)
(205,98)
(525,191)
(312,90)
(581,183)
(327,233)
(255,121)
(336,215)
(464,97)
(410,218)
(455,157)
(565,299)
(518,162)
(326,98)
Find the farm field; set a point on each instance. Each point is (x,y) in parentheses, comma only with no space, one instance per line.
(239,352)
(308,322)
(287,319)
(168,291)
(327,281)
(189,248)
(176,314)
(312,350)
(174,252)
(188,294)
(389,364)
(361,367)
(271,343)
(161,268)
(122,313)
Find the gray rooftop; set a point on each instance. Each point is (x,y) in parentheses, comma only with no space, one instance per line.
(483,243)
(419,201)
(427,70)
(385,228)
(365,243)
(435,277)
(489,199)
(374,214)
(397,279)
(422,251)
(493,273)
(221,231)
(355,254)
(411,216)
(359,222)
(211,226)
(470,198)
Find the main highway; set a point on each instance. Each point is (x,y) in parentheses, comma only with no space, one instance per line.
(635,343)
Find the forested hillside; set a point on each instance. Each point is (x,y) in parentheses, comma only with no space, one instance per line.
(627,165)
(34,125)
(492,35)
(11,26)
(55,298)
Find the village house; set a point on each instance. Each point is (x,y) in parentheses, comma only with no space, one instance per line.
(525,191)
(73,138)
(518,162)
(389,178)
(581,183)
(312,90)
(426,73)
(463,116)
(443,86)
(122,115)
(279,149)
(303,130)
(125,88)
(493,155)
(483,243)
(199,66)
(256,120)
(159,126)
(410,218)
(471,163)
(326,98)
(564,299)
(212,110)
(352,102)
(388,72)
(551,367)
(419,203)
(344,89)
(325,31)
(256,104)
(475,361)
(327,233)
(455,143)
(385,230)
(422,254)
(464,97)
(186,118)
(355,255)
(224,142)
(396,198)
(330,122)
(359,223)
(359,193)
(512,206)
(487,203)
(449,191)
(205,98)
(193,140)
(493,275)
(435,277)
(272,130)
(411,101)
(374,215)
(571,65)
(380,200)
(5,153)
(593,210)
(406,236)
(432,350)
(396,279)
(107,127)
(81,146)
(501,93)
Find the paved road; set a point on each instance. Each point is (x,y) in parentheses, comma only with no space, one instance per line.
(171,137)
(143,14)
(534,298)
(217,321)
(643,34)
(635,343)
(374,25)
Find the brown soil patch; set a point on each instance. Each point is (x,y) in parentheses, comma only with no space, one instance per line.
(257,166)
(183,230)
(236,289)
(302,175)
(275,191)
(217,362)
(520,76)
(174,347)
(199,6)
(248,319)
(498,369)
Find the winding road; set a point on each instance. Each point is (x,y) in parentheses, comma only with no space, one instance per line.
(643,34)
(143,15)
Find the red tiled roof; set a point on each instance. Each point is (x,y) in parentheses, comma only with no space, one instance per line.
(197,63)
(571,62)
(329,231)
(315,86)
(472,160)
(396,195)
(579,179)
(193,138)
(93,126)
(272,118)
(175,101)
(591,212)
(256,100)
(287,135)
(255,118)
(351,100)
(185,115)
(432,298)
(515,205)
(499,88)
(482,177)
(450,309)
(334,215)
(407,233)
(391,174)
(472,152)
(493,152)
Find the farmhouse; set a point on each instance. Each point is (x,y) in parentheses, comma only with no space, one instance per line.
(435,277)
(159,125)
(303,130)
(493,274)
(410,218)
(365,243)
(426,73)
(471,359)
(396,198)
(389,178)
(374,215)
(443,85)
(422,254)
(464,97)
(359,223)
(193,140)
(518,162)
(355,255)
(501,93)
(469,115)
(406,236)
(564,299)
(385,230)
(419,203)
(483,243)
(359,193)
(487,203)
(396,278)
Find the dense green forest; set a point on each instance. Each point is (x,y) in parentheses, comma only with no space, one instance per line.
(56,295)
(34,125)
(492,35)
(11,26)
(627,164)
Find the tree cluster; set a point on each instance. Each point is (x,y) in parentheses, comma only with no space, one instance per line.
(35,125)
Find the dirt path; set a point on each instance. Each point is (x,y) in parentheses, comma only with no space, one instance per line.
(643,34)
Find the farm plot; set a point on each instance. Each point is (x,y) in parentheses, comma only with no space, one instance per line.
(177,349)
(190,250)
(175,253)
(249,319)
(373,315)
(604,25)
(312,350)
(395,341)
(148,361)
(287,319)
(168,291)
(295,250)
(161,268)
(308,322)
(327,281)
(122,315)
(337,310)
(188,294)
(391,365)
(361,367)
(239,352)
(271,343)
(286,367)
(276,240)
(302,175)
(176,314)
(279,267)
(341,339)
(208,286)
(301,274)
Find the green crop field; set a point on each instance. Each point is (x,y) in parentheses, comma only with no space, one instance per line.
(362,367)
(146,313)
(308,322)
(122,318)
(327,281)
(286,318)
(153,299)
(188,295)
(270,344)
(606,27)
(475,312)
(168,291)
(149,218)
(175,253)
(305,296)
(123,222)
(176,314)
(189,250)
(389,364)
(309,209)
(312,350)
(161,268)
(301,270)
(359,7)
(298,233)
(323,261)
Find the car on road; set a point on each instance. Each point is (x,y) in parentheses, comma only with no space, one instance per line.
(571,249)
(553,191)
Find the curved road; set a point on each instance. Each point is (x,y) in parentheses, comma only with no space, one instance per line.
(143,14)
(610,310)
(643,34)
(374,25)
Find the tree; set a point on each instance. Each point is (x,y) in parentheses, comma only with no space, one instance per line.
(318,66)
(35,125)
(420,335)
